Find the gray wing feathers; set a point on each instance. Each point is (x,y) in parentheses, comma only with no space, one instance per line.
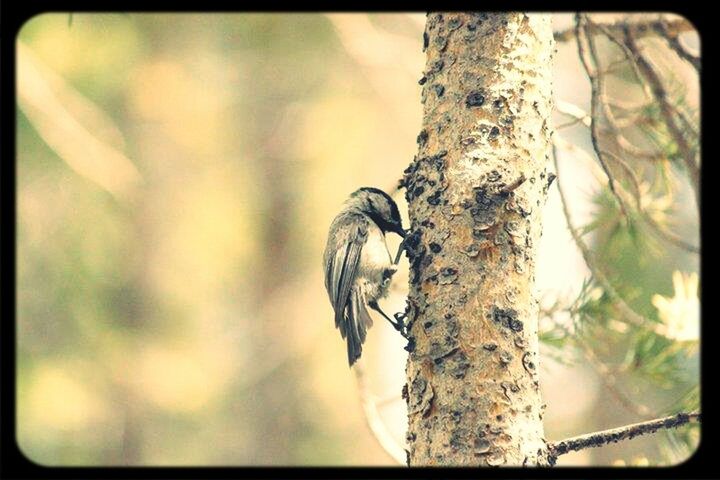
(355,335)
(365,318)
(347,278)
(351,315)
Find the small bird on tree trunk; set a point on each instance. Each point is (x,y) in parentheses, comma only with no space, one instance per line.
(358,265)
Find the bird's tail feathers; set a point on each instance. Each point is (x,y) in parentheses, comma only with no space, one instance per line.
(356,326)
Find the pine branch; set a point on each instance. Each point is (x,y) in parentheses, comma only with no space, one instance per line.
(613,435)
(628,313)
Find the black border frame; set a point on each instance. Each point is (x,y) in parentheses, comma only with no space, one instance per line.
(13,463)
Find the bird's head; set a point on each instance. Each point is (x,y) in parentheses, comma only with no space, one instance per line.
(380,207)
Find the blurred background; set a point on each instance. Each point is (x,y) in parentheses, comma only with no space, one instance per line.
(176,176)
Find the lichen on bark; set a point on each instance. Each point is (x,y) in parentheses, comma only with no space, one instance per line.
(475,192)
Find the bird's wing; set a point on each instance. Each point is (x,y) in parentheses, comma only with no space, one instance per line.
(350,313)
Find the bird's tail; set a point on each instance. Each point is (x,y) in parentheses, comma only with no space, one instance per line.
(358,321)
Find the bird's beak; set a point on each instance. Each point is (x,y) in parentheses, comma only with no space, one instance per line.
(400,231)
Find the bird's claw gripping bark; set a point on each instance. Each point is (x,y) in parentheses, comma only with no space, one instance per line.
(400,326)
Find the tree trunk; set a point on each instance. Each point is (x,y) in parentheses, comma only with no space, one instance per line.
(476,191)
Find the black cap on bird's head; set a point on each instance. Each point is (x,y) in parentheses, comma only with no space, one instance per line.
(381,208)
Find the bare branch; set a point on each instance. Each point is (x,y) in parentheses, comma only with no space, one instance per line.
(650,88)
(572,110)
(627,432)
(669,236)
(374,421)
(667,110)
(639,29)
(68,123)
(673,41)
(580,116)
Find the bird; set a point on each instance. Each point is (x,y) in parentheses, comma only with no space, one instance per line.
(358,266)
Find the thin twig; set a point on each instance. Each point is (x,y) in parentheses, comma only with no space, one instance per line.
(630,174)
(631,149)
(580,116)
(689,125)
(640,29)
(627,432)
(568,124)
(630,57)
(669,236)
(572,110)
(678,48)
(514,185)
(596,83)
(622,142)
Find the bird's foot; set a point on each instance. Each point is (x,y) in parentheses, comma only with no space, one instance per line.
(400,324)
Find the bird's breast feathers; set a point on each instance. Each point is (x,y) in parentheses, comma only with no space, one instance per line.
(375,254)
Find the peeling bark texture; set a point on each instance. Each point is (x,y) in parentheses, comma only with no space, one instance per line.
(476,191)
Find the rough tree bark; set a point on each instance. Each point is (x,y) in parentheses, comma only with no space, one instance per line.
(476,191)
